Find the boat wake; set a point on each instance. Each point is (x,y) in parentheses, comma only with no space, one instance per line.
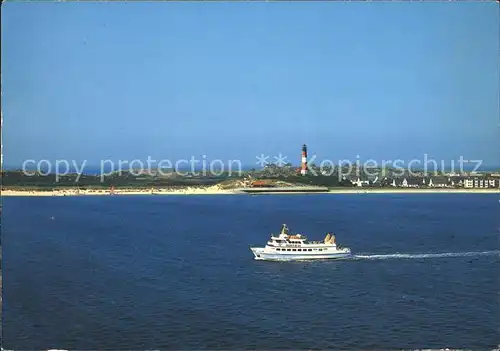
(426,255)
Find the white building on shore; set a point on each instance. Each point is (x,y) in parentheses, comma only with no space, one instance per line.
(481,183)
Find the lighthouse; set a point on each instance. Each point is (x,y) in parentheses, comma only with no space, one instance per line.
(303,169)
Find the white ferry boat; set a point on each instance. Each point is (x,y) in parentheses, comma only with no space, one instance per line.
(287,246)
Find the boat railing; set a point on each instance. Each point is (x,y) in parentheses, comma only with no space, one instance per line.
(295,244)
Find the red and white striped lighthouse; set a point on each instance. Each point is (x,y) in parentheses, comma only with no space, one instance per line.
(303,169)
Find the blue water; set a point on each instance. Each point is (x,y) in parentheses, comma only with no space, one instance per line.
(176,272)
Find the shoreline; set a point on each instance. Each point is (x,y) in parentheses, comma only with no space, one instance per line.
(421,191)
(214,190)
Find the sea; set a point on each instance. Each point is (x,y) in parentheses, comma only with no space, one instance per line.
(159,272)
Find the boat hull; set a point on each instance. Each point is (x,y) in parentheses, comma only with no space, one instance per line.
(262,255)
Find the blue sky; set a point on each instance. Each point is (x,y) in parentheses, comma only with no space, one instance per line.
(233,80)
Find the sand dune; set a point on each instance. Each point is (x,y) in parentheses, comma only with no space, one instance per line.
(76,192)
(215,189)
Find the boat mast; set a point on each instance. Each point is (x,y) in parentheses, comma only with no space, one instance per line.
(284,229)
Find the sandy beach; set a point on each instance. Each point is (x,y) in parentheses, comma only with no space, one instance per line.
(93,192)
(215,190)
